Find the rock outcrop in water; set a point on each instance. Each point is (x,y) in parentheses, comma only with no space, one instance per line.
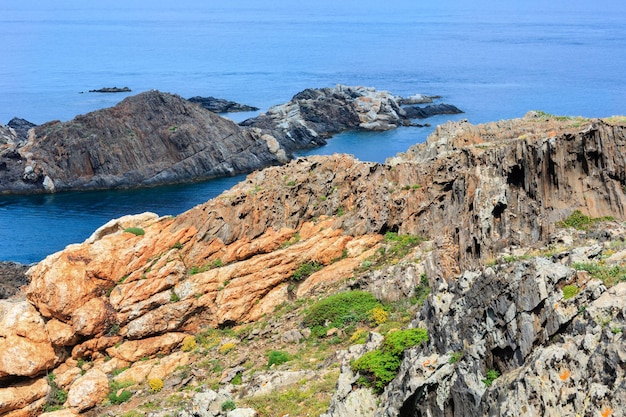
(510,303)
(219,105)
(314,115)
(156,138)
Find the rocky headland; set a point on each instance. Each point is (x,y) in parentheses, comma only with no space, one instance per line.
(155,138)
(504,243)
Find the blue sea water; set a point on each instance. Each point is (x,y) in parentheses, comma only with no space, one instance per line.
(492,59)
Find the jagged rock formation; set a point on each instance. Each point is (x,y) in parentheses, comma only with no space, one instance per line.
(219,105)
(148,139)
(475,191)
(314,115)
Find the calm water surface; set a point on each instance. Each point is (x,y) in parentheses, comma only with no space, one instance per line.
(492,59)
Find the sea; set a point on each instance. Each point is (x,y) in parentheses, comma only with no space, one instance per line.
(492,59)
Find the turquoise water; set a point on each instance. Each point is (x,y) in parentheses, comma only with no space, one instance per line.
(492,59)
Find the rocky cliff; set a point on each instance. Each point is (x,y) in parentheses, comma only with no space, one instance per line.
(525,313)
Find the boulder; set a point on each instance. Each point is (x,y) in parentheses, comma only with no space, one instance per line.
(25,348)
(88,391)
(16,397)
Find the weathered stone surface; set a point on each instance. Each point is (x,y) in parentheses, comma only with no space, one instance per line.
(148,139)
(88,391)
(25,349)
(133,350)
(476,192)
(21,395)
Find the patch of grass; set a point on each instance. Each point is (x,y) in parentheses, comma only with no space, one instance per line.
(216,263)
(570,291)
(609,275)
(305,270)
(491,376)
(115,388)
(340,211)
(339,310)
(174,297)
(378,367)
(177,245)
(56,395)
(309,399)
(277,357)
(580,221)
(137,231)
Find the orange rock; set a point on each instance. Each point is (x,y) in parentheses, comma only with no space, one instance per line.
(25,349)
(61,334)
(88,390)
(20,395)
(133,350)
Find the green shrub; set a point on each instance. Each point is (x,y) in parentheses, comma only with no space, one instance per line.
(455,357)
(228,405)
(305,270)
(174,297)
(398,342)
(56,397)
(340,310)
(378,367)
(276,357)
(570,291)
(491,376)
(137,231)
(121,398)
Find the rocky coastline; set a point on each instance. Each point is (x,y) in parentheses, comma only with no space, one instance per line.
(156,138)
(503,242)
